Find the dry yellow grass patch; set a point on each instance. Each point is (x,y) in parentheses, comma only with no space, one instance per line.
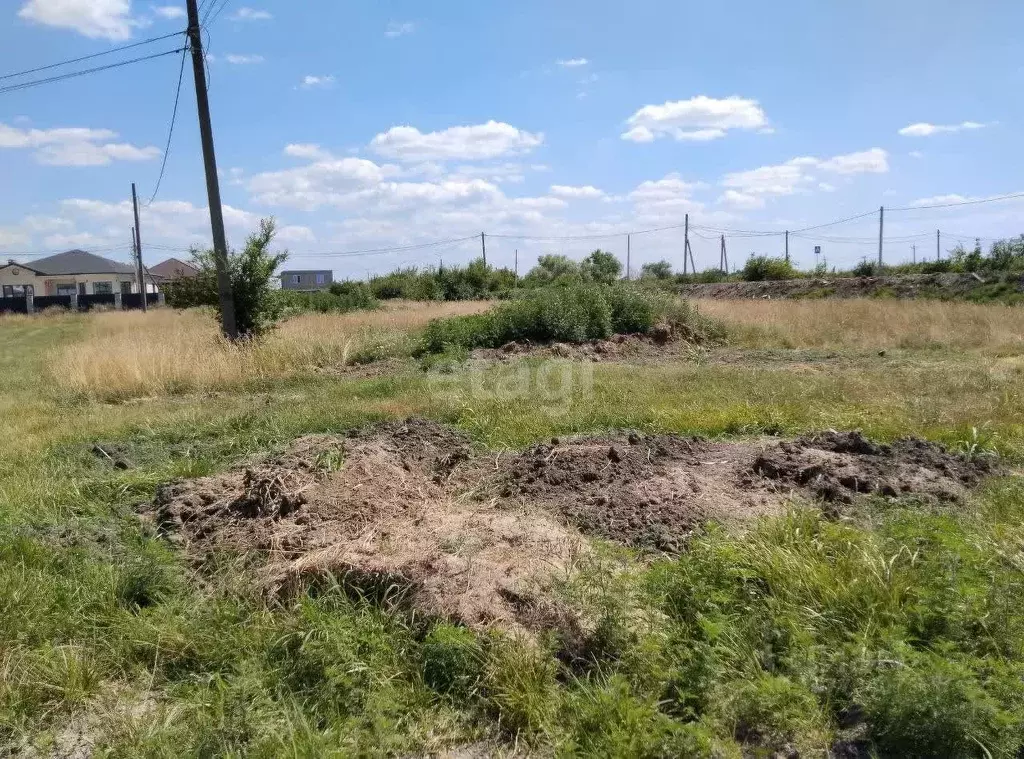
(870,324)
(131,354)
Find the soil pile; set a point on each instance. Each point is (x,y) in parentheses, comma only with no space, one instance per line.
(379,508)
(484,539)
(836,466)
(661,343)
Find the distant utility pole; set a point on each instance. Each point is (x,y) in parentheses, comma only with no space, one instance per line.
(220,242)
(140,275)
(787,246)
(483,246)
(915,254)
(517,267)
(723,261)
(938,245)
(881,230)
(629,256)
(686,242)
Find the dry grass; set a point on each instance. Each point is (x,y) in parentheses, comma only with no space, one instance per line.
(869,324)
(131,354)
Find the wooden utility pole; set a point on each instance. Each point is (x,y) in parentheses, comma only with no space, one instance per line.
(881,230)
(787,246)
(220,241)
(139,274)
(686,242)
(483,246)
(629,256)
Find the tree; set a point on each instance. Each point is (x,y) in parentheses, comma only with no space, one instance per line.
(601,266)
(658,270)
(250,272)
(551,268)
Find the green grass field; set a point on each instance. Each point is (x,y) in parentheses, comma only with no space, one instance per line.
(898,629)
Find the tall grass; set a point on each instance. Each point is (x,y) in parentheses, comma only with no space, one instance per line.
(132,354)
(870,324)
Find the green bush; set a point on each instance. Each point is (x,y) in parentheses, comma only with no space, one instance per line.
(257,305)
(764,268)
(571,314)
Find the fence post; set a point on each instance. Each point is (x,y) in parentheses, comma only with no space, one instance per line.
(74,301)
(161,299)
(117,301)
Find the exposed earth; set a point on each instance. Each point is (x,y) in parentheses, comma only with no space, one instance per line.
(410,509)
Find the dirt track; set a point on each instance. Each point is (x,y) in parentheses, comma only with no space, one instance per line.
(483,538)
(905,287)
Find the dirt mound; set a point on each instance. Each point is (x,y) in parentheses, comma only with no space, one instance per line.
(836,466)
(642,491)
(378,507)
(657,345)
(484,539)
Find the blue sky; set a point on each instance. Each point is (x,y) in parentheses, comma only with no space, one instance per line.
(363,125)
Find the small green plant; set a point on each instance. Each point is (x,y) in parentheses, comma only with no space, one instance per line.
(763,268)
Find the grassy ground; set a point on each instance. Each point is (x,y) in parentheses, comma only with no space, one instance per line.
(792,635)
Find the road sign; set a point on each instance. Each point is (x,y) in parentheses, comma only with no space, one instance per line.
(817,250)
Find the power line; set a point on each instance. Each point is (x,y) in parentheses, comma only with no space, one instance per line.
(170,132)
(89,57)
(74,74)
(223,5)
(955,204)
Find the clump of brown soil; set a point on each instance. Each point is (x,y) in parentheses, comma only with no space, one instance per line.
(836,466)
(484,539)
(662,342)
(642,491)
(389,516)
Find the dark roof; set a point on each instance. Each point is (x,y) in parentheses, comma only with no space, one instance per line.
(11,263)
(305,271)
(173,268)
(80,262)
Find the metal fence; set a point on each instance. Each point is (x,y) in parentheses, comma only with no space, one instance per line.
(113,301)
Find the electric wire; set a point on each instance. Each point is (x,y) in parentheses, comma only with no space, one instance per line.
(84,72)
(89,57)
(170,131)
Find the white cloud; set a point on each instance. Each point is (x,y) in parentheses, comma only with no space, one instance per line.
(587,192)
(479,142)
(572,62)
(326,181)
(170,11)
(666,198)
(309,81)
(873,161)
(306,150)
(700,118)
(73,146)
(797,174)
(916,154)
(942,199)
(741,200)
(826,187)
(396,29)
(251,14)
(924,129)
(243,60)
(107,19)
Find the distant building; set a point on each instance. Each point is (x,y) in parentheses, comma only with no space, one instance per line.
(306,280)
(75,272)
(172,269)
